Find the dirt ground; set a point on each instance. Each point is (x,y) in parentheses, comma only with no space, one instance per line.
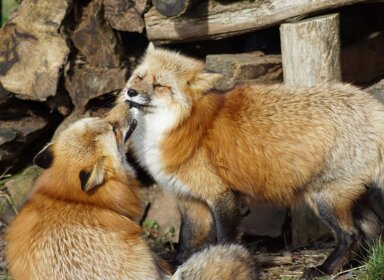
(292,270)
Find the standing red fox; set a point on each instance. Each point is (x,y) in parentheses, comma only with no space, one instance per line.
(277,143)
(78,222)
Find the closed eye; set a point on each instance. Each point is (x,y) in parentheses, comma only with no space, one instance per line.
(161,88)
(137,79)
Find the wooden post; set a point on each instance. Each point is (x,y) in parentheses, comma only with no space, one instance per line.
(311,51)
(310,56)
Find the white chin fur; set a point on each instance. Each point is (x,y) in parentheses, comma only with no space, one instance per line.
(146,142)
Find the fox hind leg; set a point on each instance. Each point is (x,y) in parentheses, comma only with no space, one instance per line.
(336,211)
(197,228)
(225,209)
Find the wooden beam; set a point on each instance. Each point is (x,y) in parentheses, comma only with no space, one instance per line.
(310,55)
(215,20)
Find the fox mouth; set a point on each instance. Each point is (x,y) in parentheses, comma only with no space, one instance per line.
(131,129)
(136,105)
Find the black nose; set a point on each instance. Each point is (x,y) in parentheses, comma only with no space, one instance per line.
(131,92)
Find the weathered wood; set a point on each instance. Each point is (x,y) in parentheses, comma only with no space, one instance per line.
(16,137)
(84,82)
(245,67)
(33,50)
(310,55)
(173,8)
(216,19)
(96,40)
(125,15)
(311,51)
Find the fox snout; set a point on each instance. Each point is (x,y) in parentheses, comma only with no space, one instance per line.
(139,98)
(132,92)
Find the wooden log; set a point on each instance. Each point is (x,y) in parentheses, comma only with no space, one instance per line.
(216,19)
(311,51)
(33,49)
(173,8)
(125,15)
(96,40)
(85,82)
(310,55)
(18,131)
(246,67)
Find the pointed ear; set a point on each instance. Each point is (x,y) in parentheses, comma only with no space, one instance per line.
(44,158)
(93,178)
(206,81)
(150,48)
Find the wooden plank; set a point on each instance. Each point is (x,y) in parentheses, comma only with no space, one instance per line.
(310,55)
(215,20)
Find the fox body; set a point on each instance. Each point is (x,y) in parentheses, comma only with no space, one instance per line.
(78,222)
(277,143)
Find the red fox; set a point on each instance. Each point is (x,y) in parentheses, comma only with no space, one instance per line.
(280,144)
(78,222)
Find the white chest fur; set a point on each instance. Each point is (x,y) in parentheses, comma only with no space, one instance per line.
(146,143)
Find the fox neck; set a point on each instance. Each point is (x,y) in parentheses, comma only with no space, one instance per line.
(164,140)
(117,195)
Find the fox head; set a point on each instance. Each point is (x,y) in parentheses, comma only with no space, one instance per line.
(86,162)
(166,80)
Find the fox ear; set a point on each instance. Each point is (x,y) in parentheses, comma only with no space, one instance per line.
(206,81)
(150,48)
(93,178)
(44,158)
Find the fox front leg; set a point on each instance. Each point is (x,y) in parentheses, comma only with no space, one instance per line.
(226,216)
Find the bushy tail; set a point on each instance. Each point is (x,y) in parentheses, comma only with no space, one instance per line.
(224,262)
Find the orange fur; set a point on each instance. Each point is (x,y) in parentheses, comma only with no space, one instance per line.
(277,143)
(63,232)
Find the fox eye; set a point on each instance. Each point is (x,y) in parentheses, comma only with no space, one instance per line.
(162,89)
(138,78)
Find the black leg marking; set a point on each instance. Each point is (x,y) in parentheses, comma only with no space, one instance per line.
(226,215)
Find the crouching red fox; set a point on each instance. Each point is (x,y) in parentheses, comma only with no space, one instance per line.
(79,221)
(277,143)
